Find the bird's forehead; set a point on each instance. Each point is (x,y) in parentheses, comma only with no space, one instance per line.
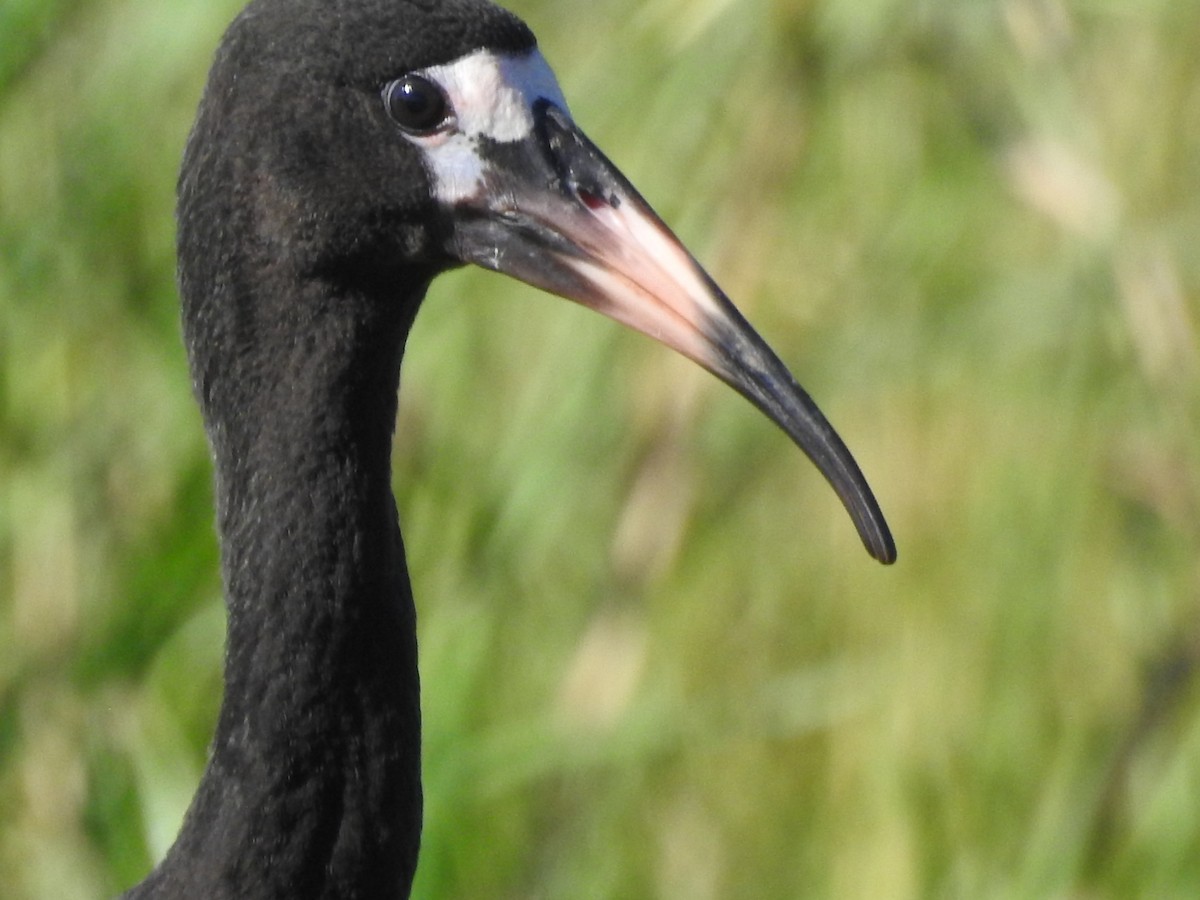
(493,93)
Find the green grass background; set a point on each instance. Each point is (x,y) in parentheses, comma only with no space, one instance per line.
(656,661)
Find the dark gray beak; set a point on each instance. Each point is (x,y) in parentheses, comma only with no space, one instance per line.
(557,214)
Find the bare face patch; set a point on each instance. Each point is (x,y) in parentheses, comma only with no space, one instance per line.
(489,97)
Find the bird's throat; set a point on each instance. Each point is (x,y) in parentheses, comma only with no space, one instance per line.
(314,776)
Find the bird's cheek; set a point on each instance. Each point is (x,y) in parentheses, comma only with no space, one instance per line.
(455,168)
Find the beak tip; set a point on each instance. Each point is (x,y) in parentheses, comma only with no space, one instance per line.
(872,527)
(883,548)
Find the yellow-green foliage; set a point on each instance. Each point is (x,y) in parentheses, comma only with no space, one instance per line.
(656,661)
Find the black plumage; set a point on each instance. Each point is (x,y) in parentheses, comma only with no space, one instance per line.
(310,226)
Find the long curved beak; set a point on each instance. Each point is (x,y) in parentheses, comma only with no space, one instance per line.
(554,212)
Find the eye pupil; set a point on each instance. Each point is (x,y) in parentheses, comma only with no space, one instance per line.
(415,104)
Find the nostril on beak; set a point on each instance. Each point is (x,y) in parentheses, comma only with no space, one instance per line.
(592,200)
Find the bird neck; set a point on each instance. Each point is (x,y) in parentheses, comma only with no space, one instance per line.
(314,777)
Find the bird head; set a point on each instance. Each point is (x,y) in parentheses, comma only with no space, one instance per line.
(366,139)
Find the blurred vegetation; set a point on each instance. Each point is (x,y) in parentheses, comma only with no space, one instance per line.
(656,662)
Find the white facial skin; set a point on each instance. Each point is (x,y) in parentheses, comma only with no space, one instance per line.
(492,96)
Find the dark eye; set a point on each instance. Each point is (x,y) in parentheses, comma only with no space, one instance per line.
(416,104)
